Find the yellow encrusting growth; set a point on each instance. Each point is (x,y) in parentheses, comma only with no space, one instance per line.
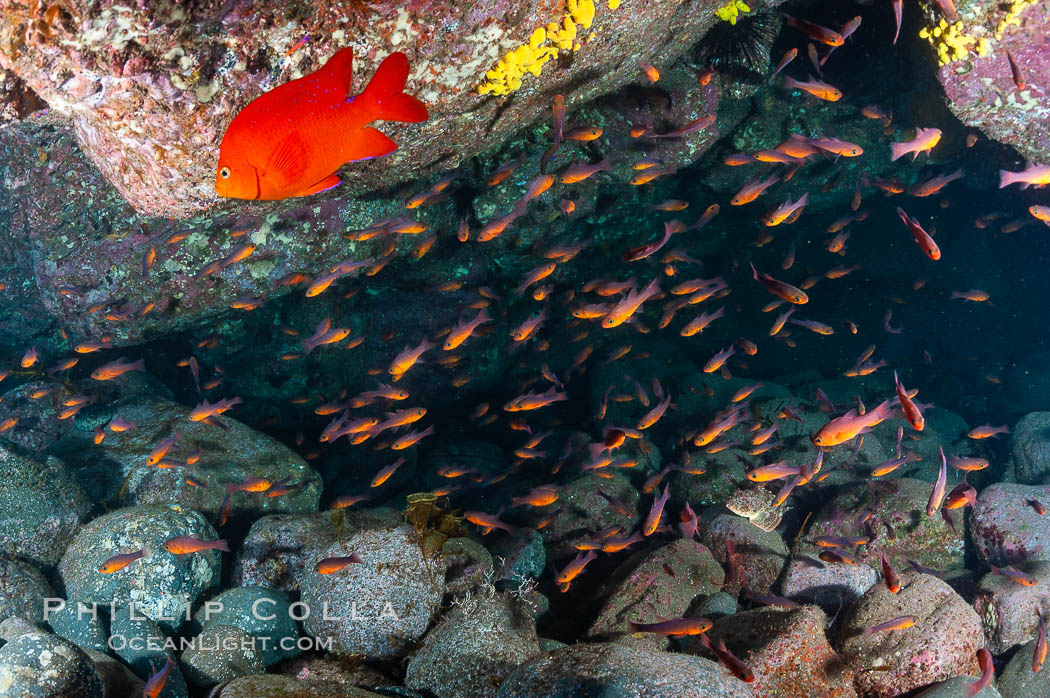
(953,43)
(1013,16)
(543,45)
(731,10)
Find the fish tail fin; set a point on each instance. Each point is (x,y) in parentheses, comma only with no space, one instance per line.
(633,627)
(139,365)
(222,545)
(898,150)
(385,92)
(1005,178)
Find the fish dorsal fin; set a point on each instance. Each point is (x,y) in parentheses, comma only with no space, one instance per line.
(288,160)
(370,143)
(340,68)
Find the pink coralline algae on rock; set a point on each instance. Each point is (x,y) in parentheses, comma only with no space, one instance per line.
(980,89)
(788,652)
(941,644)
(151,91)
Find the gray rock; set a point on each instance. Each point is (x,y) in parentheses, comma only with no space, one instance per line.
(760,555)
(138,641)
(335,670)
(22,591)
(468,566)
(583,512)
(1008,610)
(717,605)
(41,665)
(79,623)
(118,680)
(262,613)
(12,627)
(41,506)
(1031,448)
(641,591)
(278,548)
(229,457)
(161,586)
(277,685)
(473,649)
(520,557)
(1019,681)
(221,653)
(959,687)
(379,607)
(623,672)
(829,585)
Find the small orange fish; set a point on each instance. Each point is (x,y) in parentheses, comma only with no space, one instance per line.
(1019,80)
(676,627)
(974,294)
(820,90)
(650,72)
(185,545)
(333,564)
(573,570)
(899,623)
(752,190)
(119,562)
(987,431)
(815,31)
(924,141)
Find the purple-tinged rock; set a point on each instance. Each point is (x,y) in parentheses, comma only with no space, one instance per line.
(828,584)
(787,651)
(980,89)
(896,524)
(941,644)
(1006,528)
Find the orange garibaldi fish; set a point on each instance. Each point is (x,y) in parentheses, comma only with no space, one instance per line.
(290,141)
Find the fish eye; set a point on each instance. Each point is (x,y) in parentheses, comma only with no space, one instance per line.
(225,173)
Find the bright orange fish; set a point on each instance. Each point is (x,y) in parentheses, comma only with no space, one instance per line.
(290,141)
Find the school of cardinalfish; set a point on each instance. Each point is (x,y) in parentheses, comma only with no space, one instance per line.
(635,304)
